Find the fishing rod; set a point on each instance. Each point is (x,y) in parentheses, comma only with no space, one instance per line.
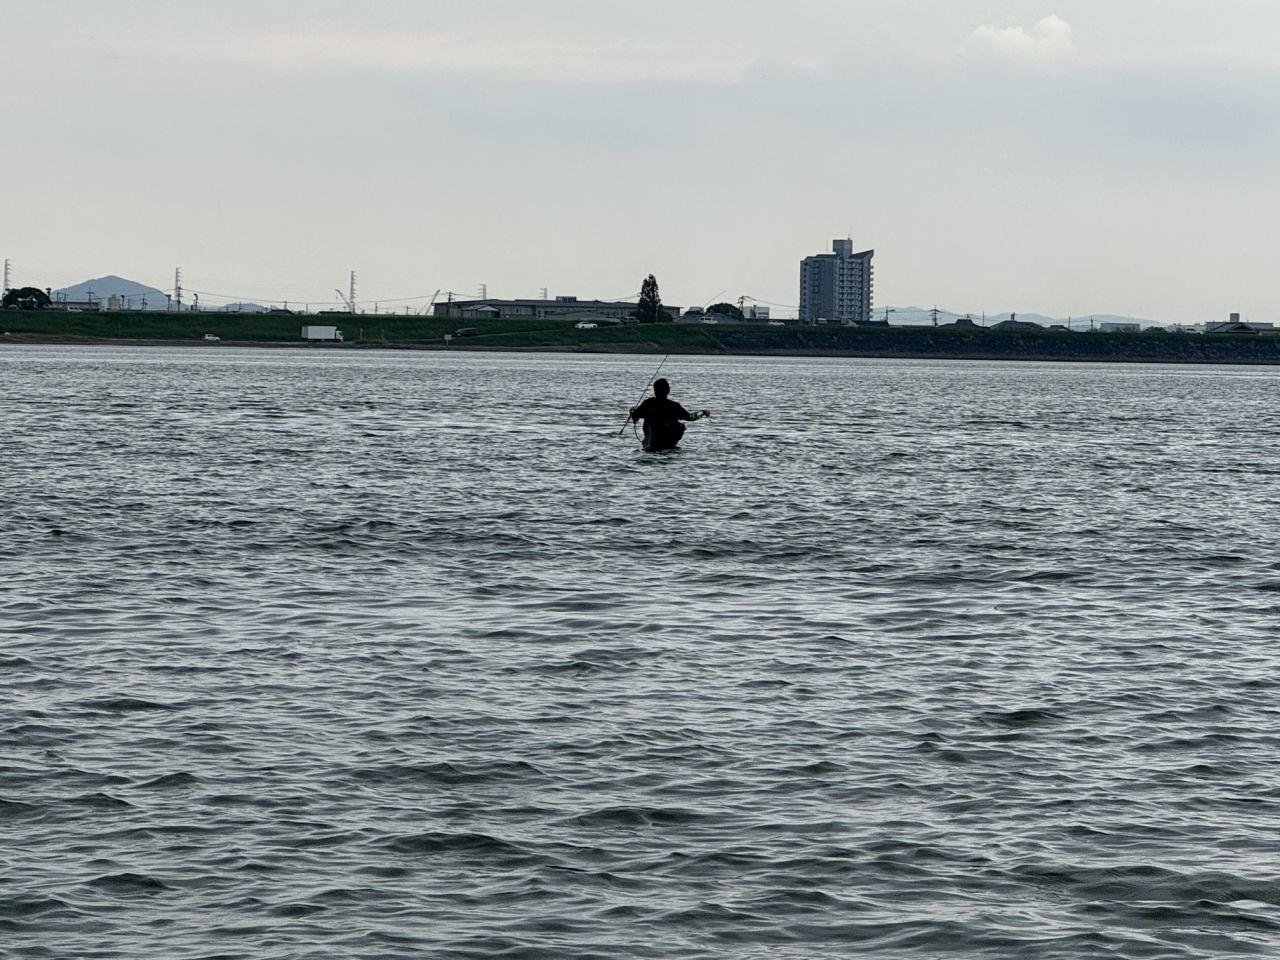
(646,390)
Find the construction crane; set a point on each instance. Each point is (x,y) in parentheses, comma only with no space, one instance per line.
(426,311)
(349,300)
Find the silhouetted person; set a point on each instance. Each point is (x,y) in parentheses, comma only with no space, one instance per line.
(662,416)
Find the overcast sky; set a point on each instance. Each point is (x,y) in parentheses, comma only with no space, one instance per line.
(1062,157)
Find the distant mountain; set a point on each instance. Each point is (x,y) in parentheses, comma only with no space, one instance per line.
(130,291)
(921,316)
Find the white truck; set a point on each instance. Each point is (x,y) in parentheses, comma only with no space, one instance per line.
(322,333)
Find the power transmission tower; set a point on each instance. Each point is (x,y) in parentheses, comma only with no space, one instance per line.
(6,275)
(934,314)
(177,287)
(351,300)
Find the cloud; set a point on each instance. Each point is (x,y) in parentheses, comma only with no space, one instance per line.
(1049,43)
(595,61)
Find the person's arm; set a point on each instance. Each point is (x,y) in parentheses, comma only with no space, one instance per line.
(686,415)
(638,412)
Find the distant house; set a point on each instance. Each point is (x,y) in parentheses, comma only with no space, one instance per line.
(1239,327)
(1233,324)
(567,308)
(78,306)
(1012,324)
(1116,326)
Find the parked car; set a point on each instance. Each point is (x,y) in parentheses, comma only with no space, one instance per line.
(584,325)
(211,338)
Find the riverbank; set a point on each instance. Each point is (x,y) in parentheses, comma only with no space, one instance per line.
(432,333)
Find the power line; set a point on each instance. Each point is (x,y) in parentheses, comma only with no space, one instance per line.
(770,303)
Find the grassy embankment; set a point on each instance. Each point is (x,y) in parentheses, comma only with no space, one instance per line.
(973,343)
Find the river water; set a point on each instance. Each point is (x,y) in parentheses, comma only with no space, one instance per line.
(326,653)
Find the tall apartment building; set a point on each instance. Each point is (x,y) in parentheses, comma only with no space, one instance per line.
(837,286)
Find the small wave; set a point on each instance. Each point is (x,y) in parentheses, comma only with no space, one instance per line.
(124,705)
(170,781)
(128,884)
(100,801)
(636,817)
(1030,717)
(444,772)
(20,907)
(296,911)
(1148,882)
(15,808)
(433,843)
(819,768)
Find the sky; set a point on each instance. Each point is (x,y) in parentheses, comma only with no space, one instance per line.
(1063,157)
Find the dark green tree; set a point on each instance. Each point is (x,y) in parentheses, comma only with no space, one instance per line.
(25,298)
(729,310)
(649,309)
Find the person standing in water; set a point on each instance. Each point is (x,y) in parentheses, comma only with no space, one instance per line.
(662,416)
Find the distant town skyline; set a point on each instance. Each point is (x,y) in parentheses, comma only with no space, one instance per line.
(1052,158)
(132,295)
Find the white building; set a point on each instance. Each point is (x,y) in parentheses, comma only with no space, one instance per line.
(837,287)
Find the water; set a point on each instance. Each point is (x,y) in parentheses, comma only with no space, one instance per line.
(314,654)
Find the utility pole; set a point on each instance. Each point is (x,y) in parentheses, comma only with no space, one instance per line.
(6,275)
(177,287)
(196,307)
(934,313)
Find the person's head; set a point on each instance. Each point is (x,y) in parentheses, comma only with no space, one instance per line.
(661,388)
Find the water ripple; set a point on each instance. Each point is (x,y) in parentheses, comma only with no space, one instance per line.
(383,655)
